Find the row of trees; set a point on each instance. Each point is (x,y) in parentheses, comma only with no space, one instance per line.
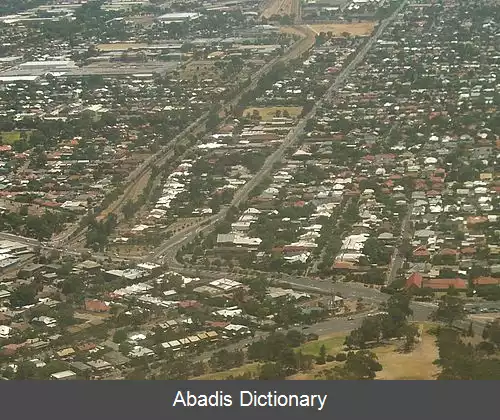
(40,227)
(460,359)
(99,231)
(393,323)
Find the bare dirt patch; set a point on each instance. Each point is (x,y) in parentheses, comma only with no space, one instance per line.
(337,29)
(202,69)
(417,365)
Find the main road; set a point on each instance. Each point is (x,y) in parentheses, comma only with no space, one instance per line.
(77,233)
(167,251)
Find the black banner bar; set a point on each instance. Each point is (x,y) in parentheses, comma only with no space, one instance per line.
(343,400)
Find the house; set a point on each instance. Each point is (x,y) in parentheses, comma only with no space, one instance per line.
(95,305)
(139,351)
(5,331)
(63,375)
(415,280)
(80,367)
(88,265)
(421,253)
(65,353)
(100,365)
(46,321)
(486,281)
(444,284)
(236,329)
(30,270)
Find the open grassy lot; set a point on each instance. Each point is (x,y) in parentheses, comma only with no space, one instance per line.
(202,69)
(333,344)
(416,365)
(11,137)
(269,112)
(355,29)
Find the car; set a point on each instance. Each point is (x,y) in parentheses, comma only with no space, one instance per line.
(350,318)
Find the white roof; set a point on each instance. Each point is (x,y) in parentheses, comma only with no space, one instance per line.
(18,78)
(64,374)
(48,63)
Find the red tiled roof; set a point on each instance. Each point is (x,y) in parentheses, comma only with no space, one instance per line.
(448,251)
(343,265)
(474,220)
(414,280)
(94,305)
(443,284)
(421,252)
(189,304)
(217,324)
(294,248)
(10,349)
(386,156)
(86,346)
(484,281)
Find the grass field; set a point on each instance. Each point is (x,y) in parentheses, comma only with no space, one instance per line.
(355,29)
(268,113)
(416,365)
(333,344)
(10,137)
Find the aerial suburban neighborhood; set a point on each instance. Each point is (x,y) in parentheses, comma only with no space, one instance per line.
(249,189)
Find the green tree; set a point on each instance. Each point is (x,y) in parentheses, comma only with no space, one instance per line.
(22,296)
(321,359)
(270,371)
(361,365)
(119,336)
(410,332)
(295,338)
(470,330)
(450,310)
(492,332)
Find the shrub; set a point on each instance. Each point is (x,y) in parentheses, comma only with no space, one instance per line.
(341,357)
